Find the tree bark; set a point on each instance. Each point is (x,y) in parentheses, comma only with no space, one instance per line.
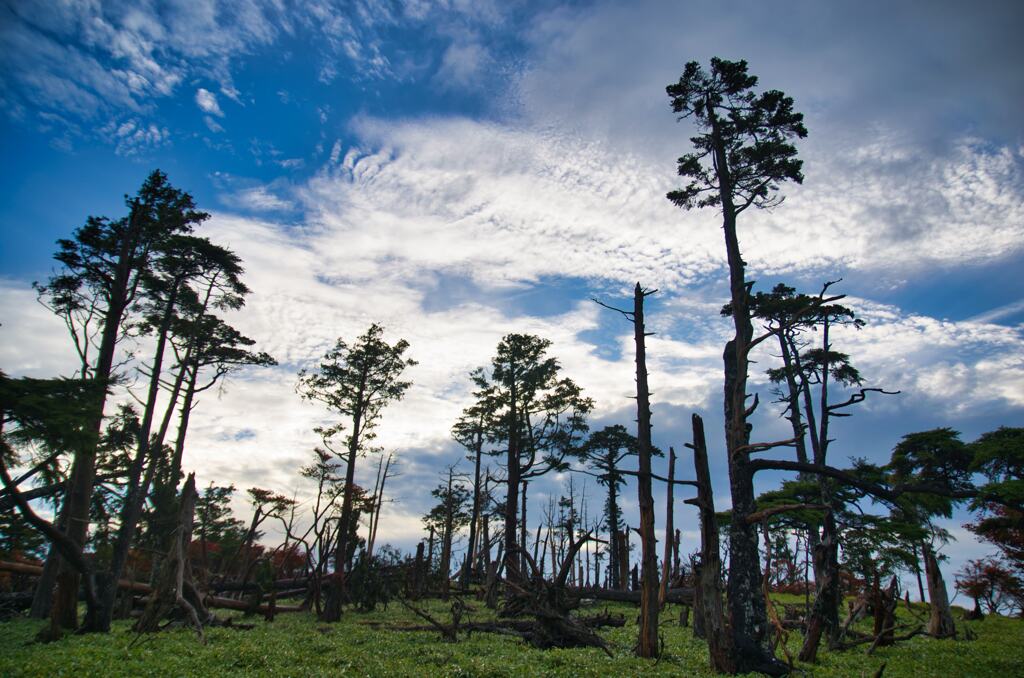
(748,615)
(940,622)
(138,487)
(336,595)
(647,642)
(512,478)
(470,569)
(666,566)
(824,617)
(709,615)
(175,588)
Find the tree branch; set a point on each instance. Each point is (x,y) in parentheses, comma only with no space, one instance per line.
(764,514)
(874,489)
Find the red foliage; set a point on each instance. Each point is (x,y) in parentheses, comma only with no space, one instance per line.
(990,582)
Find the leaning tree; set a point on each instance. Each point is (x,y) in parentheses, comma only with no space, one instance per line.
(355,382)
(102,268)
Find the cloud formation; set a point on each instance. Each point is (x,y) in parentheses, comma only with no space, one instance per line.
(207,102)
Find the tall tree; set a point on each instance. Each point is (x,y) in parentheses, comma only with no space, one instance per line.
(356,382)
(470,431)
(103,265)
(647,643)
(538,417)
(742,154)
(941,456)
(179,263)
(605,452)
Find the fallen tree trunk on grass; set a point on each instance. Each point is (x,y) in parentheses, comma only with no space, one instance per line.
(139,587)
(683,596)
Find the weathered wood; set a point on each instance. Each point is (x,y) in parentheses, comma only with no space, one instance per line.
(940,623)
(666,567)
(170,591)
(708,605)
(140,587)
(683,596)
(647,640)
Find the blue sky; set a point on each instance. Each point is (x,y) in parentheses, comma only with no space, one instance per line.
(458,170)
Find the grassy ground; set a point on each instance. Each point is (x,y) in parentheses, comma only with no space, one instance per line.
(298,645)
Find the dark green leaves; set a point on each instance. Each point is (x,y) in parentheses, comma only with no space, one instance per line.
(750,132)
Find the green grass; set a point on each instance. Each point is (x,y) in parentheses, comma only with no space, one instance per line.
(298,645)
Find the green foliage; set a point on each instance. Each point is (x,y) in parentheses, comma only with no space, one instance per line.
(525,396)
(52,413)
(454,503)
(217,530)
(937,456)
(377,580)
(18,538)
(753,129)
(105,261)
(359,379)
(999,455)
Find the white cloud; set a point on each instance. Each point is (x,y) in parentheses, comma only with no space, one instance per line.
(207,102)
(463,65)
(1000,312)
(135,137)
(504,204)
(257,199)
(212,124)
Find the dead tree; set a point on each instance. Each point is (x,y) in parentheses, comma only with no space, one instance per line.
(378,501)
(551,604)
(940,622)
(666,566)
(709,614)
(647,641)
(175,589)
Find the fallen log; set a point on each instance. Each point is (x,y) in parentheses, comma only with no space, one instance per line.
(519,627)
(682,596)
(139,587)
(251,587)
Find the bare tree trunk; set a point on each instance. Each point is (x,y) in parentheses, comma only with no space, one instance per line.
(940,622)
(336,595)
(43,596)
(471,549)
(676,563)
(623,538)
(512,477)
(666,566)
(175,588)
(824,617)
(917,572)
(748,616)
(522,527)
(709,614)
(446,538)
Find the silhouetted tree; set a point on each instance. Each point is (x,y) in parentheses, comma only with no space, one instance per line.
(538,416)
(605,452)
(742,154)
(356,382)
(446,518)
(103,266)
(470,431)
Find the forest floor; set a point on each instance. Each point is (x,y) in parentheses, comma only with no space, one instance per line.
(296,644)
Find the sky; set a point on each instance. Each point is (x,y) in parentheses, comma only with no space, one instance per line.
(458,170)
